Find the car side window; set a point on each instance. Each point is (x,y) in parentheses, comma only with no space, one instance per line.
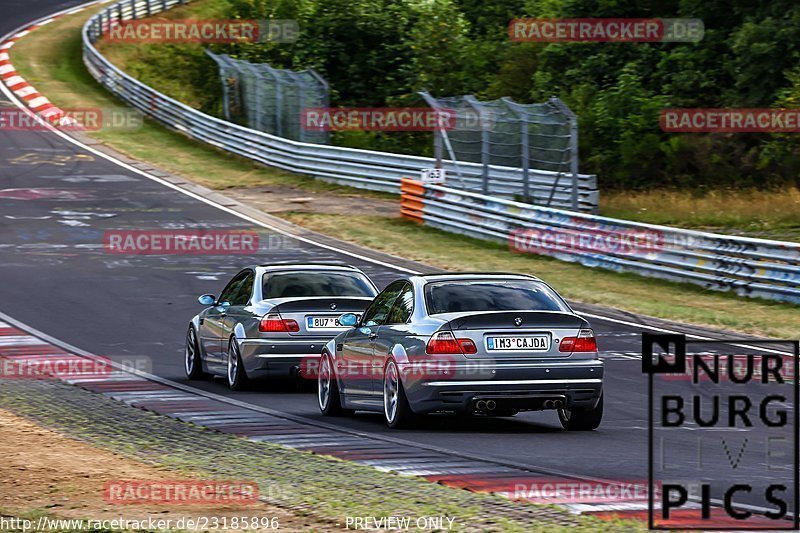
(232,289)
(403,306)
(378,311)
(245,289)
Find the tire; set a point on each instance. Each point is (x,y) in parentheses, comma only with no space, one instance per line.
(396,411)
(328,399)
(192,361)
(236,374)
(583,419)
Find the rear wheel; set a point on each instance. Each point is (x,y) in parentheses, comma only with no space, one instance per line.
(397,413)
(193,363)
(582,419)
(237,377)
(330,403)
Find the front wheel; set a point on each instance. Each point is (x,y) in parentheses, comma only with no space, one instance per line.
(582,419)
(237,377)
(396,411)
(328,398)
(193,363)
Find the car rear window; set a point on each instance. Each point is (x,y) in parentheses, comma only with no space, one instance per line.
(294,284)
(500,295)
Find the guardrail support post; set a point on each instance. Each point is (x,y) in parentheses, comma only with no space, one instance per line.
(525,156)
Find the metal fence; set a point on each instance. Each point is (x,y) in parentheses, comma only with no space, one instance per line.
(749,267)
(269,99)
(503,132)
(357,168)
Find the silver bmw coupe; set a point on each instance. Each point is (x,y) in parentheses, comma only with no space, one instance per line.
(273,320)
(477,344)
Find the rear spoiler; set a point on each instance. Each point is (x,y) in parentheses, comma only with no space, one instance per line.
(507,319)
(335,304)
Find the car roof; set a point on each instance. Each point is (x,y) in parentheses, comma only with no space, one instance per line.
(276,267)
(455,276)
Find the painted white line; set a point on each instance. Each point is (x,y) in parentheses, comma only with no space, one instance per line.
(25,91)
(13,80)
(21,340)
(5,325)
(3,56)
(6,46)
(688,335)
(38,102)
(42,23)
(21,34)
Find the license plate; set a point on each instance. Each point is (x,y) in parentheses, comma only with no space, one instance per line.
(323,322)
(518,343)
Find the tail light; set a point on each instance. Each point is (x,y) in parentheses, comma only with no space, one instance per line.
(444,342)
(584,342)
(273,322)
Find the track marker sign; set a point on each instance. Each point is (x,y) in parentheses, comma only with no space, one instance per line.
(433,175)
(722,433)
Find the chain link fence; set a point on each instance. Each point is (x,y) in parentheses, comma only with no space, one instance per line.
(269,99)
(504,133)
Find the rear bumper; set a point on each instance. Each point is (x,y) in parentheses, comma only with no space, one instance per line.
(281,358)
(514,386)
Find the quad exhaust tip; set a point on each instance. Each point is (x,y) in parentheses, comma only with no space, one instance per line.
(484,406)
(553,404)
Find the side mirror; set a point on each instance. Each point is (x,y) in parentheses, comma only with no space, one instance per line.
(207,300)
(348,319)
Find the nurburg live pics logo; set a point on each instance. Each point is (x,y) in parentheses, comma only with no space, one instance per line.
(722,433)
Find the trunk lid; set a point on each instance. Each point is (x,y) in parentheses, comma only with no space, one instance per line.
(316,316)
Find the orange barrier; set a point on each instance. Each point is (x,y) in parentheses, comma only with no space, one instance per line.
(411,193)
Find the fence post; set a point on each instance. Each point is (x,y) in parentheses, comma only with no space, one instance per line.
(573,147)
(485,150)
(257,89)
(525,155)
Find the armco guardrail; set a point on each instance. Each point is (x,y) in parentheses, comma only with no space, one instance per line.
(357,168)
(749,267)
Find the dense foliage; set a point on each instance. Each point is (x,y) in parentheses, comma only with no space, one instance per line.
(380,52)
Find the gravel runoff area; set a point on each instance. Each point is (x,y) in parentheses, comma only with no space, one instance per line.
(322,488)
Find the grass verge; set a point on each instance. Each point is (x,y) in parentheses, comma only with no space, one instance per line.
(50,58)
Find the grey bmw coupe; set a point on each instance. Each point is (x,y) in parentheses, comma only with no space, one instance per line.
(273,320)
(478,344)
